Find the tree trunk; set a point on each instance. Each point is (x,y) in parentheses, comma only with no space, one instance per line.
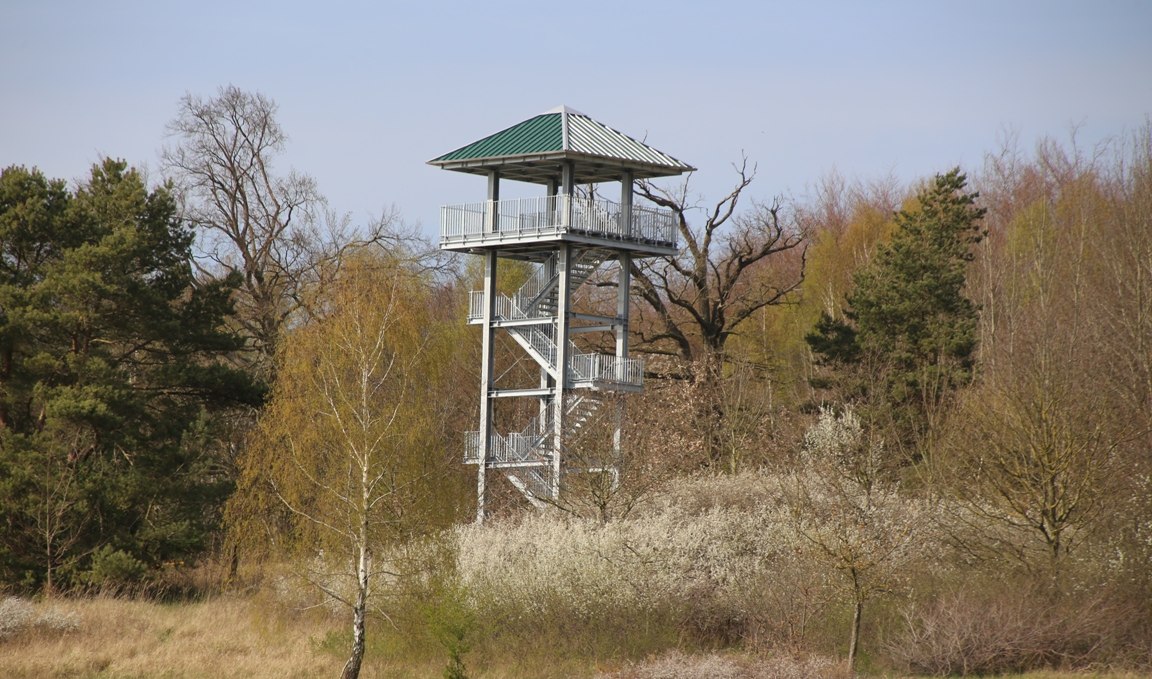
(352,667)
(854,641)
(363,567)
(710,413)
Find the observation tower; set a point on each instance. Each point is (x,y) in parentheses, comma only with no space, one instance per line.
(558,241)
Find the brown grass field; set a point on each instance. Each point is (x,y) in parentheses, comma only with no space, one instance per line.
(245,636)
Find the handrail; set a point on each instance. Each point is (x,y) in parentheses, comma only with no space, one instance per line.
(517,446)
(553,215)
(538,283)
(525,304)
(594,368)
(607,369)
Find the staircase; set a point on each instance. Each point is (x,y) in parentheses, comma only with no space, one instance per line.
(527,457)
(529,474)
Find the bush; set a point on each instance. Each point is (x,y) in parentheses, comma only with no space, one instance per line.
(114,570)
(1003,630)
(18,617)
(707,563)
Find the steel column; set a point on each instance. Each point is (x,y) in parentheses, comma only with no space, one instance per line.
(486,379)
(493,216)
(563,302)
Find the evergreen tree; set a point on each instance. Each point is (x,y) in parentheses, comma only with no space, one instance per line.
(106,378)
(908,338)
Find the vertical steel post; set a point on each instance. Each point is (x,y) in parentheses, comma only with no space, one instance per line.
(623,289)
(563,301)
(620,328)
(568,186)
(546,381)
(626,204)
(553,189)
(559,401)
(488,344)
(493,217)
(486,379)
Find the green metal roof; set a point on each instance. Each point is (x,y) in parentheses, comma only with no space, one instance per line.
(534,150)
(541,134)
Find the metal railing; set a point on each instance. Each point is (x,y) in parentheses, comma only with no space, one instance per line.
(527,445)
(505,308)
(553,215)
(539,288)
(605,369)
(533,444)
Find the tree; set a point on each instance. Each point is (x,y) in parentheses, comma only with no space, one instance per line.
(1031,459)
(856,520)
(108,368)
(273,230)
(908,338)
(1045,454)
(694,302)
(344,465)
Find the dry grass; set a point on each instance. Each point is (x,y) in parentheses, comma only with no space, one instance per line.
(249,637)
(677,665)
(112,638)
(1075,675)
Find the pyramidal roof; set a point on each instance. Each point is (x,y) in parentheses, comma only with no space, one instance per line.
(534,150)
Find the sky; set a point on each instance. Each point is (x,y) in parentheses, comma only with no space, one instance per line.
(368,92)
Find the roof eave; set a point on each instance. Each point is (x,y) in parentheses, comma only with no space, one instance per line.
(494,161)
(649,170)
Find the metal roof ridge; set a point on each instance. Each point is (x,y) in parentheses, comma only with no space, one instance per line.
(565,138)
(564,109)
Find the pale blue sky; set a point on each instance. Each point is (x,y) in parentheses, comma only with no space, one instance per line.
(369,91)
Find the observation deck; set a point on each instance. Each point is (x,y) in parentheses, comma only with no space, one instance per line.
(507,224)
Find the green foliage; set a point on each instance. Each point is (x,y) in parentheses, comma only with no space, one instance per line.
(908,338)
(106,362)
(909,303)
(114,569)
(452,621)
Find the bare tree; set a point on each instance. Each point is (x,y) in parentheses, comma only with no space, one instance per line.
(854,518)
(730,268)
(273,231)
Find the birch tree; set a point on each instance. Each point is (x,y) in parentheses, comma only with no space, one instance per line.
(346,457)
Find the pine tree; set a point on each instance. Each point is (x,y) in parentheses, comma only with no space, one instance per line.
(107,374)
(908,338)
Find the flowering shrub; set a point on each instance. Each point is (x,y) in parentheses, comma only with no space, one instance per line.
(640,563)
(718,557)
(18,616)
